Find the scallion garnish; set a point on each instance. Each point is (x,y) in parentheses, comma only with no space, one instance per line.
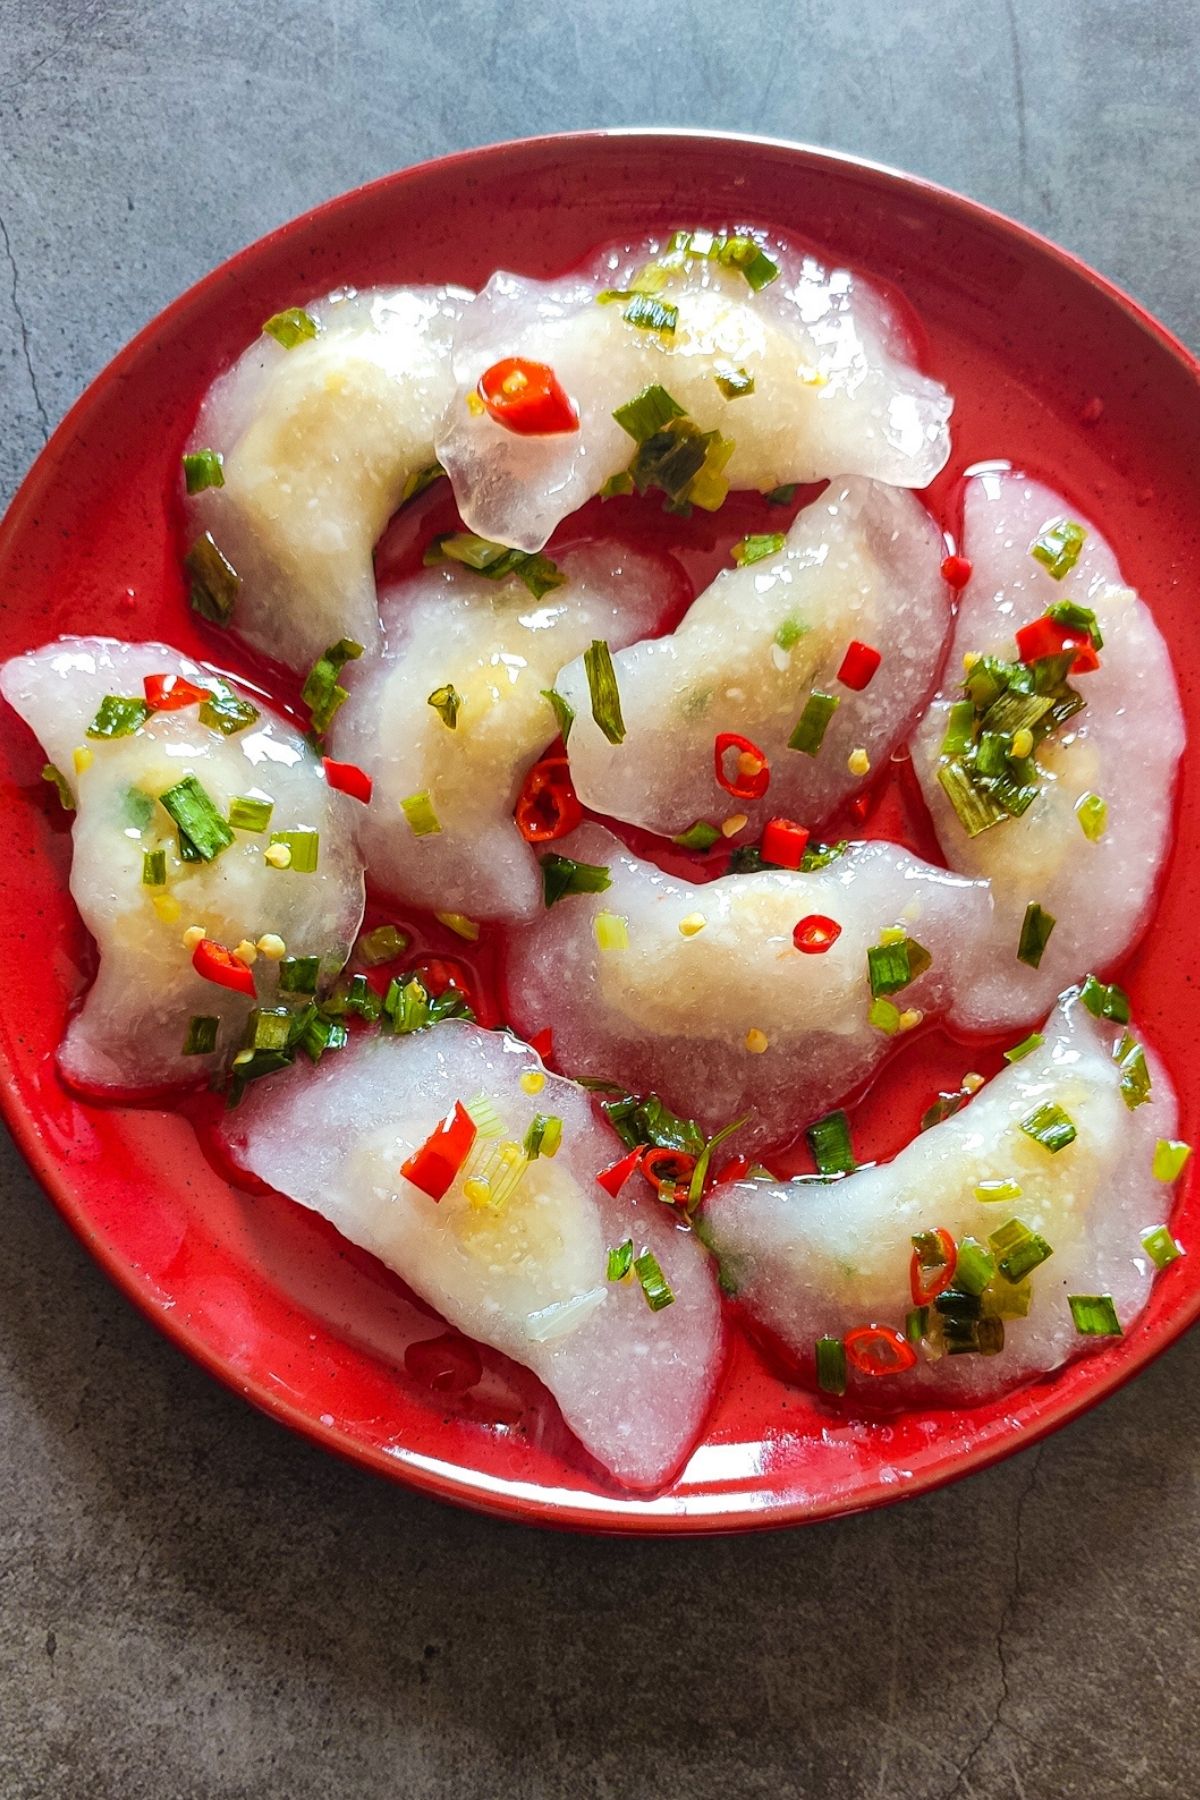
(976,810)
(118,716)
(831,1365)
(1135,1072)
(650,1121)
(1076,618)
(305,849)
(543,1136)
(200,825)
(248,813)
(733,382)
(292,326)
(655,1285)
(698,836)
(651,314)
(1036,928)
(743,253)
(381,945)
(1160,1246)
(321,1033)
(620,483)
(1002,1188)
(943,1108)
(916,1324)
(154,868)
(1019,1251)
(201,1038)
(58,780)
(321,692)
(561,875)
(602,686)
(298,974)
(1049,1126)
(809,733)
(976,1266)
(138,807)
(446,701)
(891,967)
(406,1006)
(496,562)
(215,583)
(1094,1315)
(202,469)
(1026,1047)
(829,1141)
(422,819)
(356,996)
(620,1260)
(1170,1155)
(612,931)
(782,495)
(564,712)
(960,729)
(703,1162)
(419,480)
(1105,1000)
(1057,546)
(227,712)
(1092,813)
(819,856)
(757,547)
(648,413)
(884,1015)
(790,633)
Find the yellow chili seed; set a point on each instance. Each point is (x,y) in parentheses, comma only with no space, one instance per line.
(167,908)
(246,952)
(733,824)
(692,924)
(279,856)
(272,946)
(970,659)
(195,934)
(1022,744)
(858,762)
(475,405)
(533,1081)
(910,1018)
(892,934)
(82,759)
(756,1041)
(972,1082)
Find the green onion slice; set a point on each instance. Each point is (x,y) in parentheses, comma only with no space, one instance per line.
(305,849)
(200,825)
(1049,1126)
(891,967)
(248,813)
(215,583)
(757,547)
(299,974)
(1057,546)
(1026,1047)
(422,819)
(202,469)
(620,1260)
(496,562)
(227,712)
(118,716)
(1095,1315)
(651,314)
(699,836)
(976,1266)
(564,712)
(291,327)
(1135,1072)
(647,413)
(543,1136)
(733,382)
(1092,813)
(790,633)
(321,692)
(831,1365)
(650,1121)
(655,1285)
(809,733)
(561,875)
(1036,928)
(321,1033)
(58,781)
(446,701)
(154,868)
(829,1141)
(1003,1188)
(1019,1251)
(201,1038)
(1076,618)
(419,480)
(960,729)
(1105,1000)
(782,495)
(381,945)
(602,686)
(976,809)
(703,1161)
(1170,1155)
(1160,1246)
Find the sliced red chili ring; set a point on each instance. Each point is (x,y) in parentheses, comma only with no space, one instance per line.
(1046,637)
(613,1179)
(667,1170)
(815,934)
(168,693)
(929,1278)
(860,806)
(348,778)
(543,1043)
(221,966)
(527,398)
(433,1166)
(749,783)
(547,806)
(436,974)
(859,665)
(734,1170)
(449,1364)
(784,842)
(956,571)
(877,1350)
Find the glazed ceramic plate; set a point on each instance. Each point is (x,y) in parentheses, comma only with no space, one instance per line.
(1051,368)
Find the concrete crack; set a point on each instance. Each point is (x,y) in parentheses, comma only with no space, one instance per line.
(23,329)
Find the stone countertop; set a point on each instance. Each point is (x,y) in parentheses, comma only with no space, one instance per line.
(193,1603)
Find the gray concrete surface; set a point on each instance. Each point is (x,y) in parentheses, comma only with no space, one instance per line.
(196,1604)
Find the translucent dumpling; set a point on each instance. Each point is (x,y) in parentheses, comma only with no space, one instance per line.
(819,1260)
(1097,788)
(861,565)
(177,813)
(807,376)
(700,995)
(515,1254)
(319,441)
(489,652)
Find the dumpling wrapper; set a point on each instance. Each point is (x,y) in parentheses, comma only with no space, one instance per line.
(835,391)
(130,1030)
(501,650)
(811,1260)
(1124,745)
(671,1014)
(318,443)
(862,562)
(530,1279)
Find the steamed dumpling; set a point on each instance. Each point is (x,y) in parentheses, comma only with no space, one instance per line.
(1122,749)
(813,1259)
(710,1005)
(131,1030)
(833,388)
(318,443)
(863,563)
(526,1274)
(500,649)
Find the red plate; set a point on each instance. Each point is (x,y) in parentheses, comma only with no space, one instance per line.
(1051,367)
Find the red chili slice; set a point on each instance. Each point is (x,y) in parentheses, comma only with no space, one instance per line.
(613,1179)
(815,934)
(221,966)
(437,973)
(733,1170)
(1046,637)
(668,1171)
(956,571)
(860,806)
(448,1364)
(527,398)
(435,1164)
(348,778)
(784,842)
(878,1350)
(547,806)
(169,693)
(543,1042)
(859,665)
(746,784)
(928,1281)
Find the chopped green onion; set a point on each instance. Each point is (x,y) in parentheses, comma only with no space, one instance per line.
(819,856)
(269,1028)
(291,327)
(1135,1074)
(422,819)
(199,822)
(943,1108)
(561,875)
(733,382)
(790,633)
(655,1285)
(1170,1155)
(698,836)
(321,1033)
(460,925)
(355,996)
(1160,1246)
(976,810)
(602,686)
(976,1266)
(485,1115)
(138,807)
(1000,1189)
(916,1324)
(829,1141)
(891,967)
(1105,1001)
(813,723)
(1076,618)
(1092,813)
(215,582)
(564,712)
(700,1172)
(649,1121)
(154,868)
(381,945)
(305,849)
(650,314)
(227,712)
(419,480)
(298,974)
(249,814)
(743,253)
(446,701)
(1057,546)
(960,729)
(757,547)
(620,1260)
(321,692)
(620,483)
(59,782)
(782,495)
(1013,711)
(201,1037)
(884,1015)
(1036,928)
(1049,1126)
(117,717)
(647,414)
(202,469)
(1095,1315)
(406,1006)
(1026,1047)
(544,1136)
(831,1365)
(1019,1251)
(612,931)
(496,562)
